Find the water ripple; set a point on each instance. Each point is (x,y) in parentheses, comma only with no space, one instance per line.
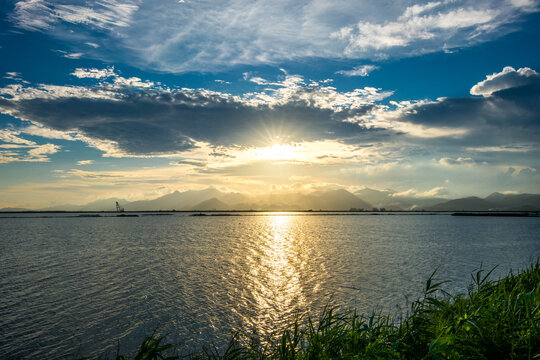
(88,282)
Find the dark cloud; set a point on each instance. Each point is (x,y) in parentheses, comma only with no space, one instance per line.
(506,117)
(149,121)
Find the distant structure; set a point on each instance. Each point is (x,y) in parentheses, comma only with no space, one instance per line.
(119,208)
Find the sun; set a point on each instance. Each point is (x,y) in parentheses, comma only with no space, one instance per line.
(277,152)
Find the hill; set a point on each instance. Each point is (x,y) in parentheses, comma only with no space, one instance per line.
(211,204)
(515,202)
(471,203)
(175,201)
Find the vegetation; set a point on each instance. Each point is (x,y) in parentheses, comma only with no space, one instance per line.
(493,320)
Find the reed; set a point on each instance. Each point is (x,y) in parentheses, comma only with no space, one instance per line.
(495,319)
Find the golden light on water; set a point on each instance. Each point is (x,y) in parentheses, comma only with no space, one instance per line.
(276,275)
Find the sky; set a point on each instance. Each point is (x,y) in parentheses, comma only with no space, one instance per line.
(135,99)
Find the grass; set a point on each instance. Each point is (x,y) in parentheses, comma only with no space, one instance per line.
(495,319)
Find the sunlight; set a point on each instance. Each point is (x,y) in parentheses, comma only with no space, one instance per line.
(277,288)
(278,152)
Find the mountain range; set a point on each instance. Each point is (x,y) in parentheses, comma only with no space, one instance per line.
(365,199)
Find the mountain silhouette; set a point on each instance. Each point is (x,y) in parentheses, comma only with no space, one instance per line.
(471,203)
(211,204)
(337,200)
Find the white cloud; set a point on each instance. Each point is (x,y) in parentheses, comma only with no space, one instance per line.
(74,56)
(48,133)
(133,82)
(461,161)
(507,78)
(205,35)
(118,80)
(33,15)
(413,25)
(20,149)
(44,15)
(106,14)
(12,75)
(524,3)
(523,148)
(434,192)
(85,162)
(42,150)
(93,73)
(11,136)
(362,70)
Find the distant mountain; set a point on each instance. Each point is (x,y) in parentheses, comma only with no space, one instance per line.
(390,201)
(62,207)
(98,205)
(103,205)
(338,200)
(515,202)
(211,204)
(175,201)
(279,201)
(472,203)
(7,209)
(378,198)
(323,200)
(494,202)
(366,199)
(232,198)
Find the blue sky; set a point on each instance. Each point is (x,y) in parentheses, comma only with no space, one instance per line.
(136,99)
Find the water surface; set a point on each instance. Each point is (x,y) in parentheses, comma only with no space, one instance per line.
(67,282)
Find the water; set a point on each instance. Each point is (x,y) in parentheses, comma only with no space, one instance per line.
(69,283)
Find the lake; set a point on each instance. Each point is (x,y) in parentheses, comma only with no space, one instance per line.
(69,282)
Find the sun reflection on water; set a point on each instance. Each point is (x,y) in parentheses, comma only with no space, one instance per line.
(275,274)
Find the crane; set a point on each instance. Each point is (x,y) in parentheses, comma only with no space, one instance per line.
(119,208)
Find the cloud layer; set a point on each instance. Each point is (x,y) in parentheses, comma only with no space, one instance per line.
(206,35)
(141,118)
(129,116)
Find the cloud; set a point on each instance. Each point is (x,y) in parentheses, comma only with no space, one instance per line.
(12,75)
(507,78)
(438,191)
(459,161)
(82,73)
(48,133)
(20,149)
(130,116)
(187,162)
(414,25)
(85,162)
(39,152)
(44,15)
(33,15)
(206,35)
(11,136)
(75,56)
(362,70)
(508,117)
(528,4)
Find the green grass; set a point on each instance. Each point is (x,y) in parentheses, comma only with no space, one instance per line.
(495,319)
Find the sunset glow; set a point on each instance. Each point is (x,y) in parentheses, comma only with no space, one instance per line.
(416,99)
